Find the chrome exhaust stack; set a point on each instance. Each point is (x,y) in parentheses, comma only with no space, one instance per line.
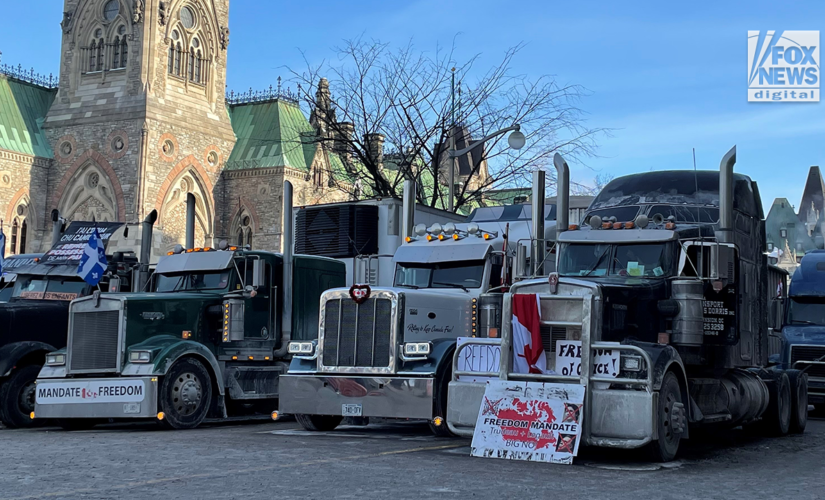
(407,209)
(288,244)
(145,250)
(562,195)
(537,253)
(190,220)
(724,234)
(57,225)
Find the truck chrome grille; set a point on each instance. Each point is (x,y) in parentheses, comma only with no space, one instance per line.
(357,335)
(809,353)
(94,342)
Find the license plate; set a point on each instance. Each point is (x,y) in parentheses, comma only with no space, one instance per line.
(130,408)
(351,410)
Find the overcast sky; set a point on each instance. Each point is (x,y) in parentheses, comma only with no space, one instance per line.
(666,76)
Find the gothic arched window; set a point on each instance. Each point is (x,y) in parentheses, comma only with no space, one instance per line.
(100,52)
(93,56)
(14,230)
(116,53)
(23,230)
(249,237)
(177,59)
(124,51)
(191,72)
(198,62)
(240,237)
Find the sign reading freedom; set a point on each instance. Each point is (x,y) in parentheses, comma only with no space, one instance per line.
(532,421)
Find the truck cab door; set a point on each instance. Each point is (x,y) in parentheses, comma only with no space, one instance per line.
(258,309)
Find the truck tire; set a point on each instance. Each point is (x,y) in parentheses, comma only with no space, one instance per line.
(17,398)
(77,424)
(799,400)
(777,418)
(441,389)
(185,395)
(319,423)
(666,447)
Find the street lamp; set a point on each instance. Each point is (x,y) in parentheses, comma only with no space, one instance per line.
(515,141)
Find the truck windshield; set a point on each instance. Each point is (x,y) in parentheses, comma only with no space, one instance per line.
(806,310)
(192,281)
(51,288)
(440,275)
(645,260)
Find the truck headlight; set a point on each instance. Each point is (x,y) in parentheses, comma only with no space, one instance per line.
(304,348)
(631,363)
(140,356)
(417,348)
(55,359)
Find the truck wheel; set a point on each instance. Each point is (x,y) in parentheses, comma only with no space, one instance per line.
(777,418)
(799,400)
(670,421)
(319,423)
(77,424)
(17,398)
(440,402)
(185,395)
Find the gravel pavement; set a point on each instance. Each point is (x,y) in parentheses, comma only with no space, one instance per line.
(399,461)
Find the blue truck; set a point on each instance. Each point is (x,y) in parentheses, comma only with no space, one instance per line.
(803,329)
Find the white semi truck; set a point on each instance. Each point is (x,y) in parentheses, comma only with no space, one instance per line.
(387,351)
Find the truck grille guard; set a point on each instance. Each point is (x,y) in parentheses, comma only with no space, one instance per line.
(586,379)
(95,343)
(809,358)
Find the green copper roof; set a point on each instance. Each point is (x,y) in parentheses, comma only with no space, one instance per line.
(23,109)
(270,134)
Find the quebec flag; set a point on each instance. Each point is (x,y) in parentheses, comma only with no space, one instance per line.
(93,262)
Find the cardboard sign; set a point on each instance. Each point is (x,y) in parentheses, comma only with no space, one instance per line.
(531,421)
(606,362)
(477,358)
(71,245)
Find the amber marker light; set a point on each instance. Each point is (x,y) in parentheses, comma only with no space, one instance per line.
(629,225)
(441,237)
(408,239)
(606,225)
(617,225)
(186,334)
(438,421)
(275,415)
(670,225)
(429,237)
(31,415)
(161,415)
(455,236)
(234,358)
(572,227)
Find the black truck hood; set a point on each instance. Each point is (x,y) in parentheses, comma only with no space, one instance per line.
(34,320)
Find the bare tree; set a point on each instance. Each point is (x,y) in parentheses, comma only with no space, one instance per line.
(403,99)
(599,182)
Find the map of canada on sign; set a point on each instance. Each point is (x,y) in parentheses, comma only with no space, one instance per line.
(529,421)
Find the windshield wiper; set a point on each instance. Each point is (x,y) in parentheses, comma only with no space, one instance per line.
(803,321)
(414,287)
(598,261)
(451,285)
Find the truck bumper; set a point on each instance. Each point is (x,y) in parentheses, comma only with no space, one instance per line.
(124,397)
(613,418)
(379,397)
(816,391)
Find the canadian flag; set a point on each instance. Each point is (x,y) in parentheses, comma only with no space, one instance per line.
(528,351)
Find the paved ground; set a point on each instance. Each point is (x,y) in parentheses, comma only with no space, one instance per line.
(278,460)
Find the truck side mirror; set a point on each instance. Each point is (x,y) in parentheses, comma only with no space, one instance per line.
(258,277)
(777,311)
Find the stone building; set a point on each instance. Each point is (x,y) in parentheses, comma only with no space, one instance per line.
(139,119)
(791,234)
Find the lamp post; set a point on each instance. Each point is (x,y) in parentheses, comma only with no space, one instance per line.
(515,141)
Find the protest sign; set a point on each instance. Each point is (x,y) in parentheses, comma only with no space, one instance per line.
(569,360)
(531,421)
(477,358)
(69,248)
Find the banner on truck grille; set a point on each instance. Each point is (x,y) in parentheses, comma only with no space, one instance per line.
(90,391)
(477,358)
(69,249)
(532,421)
(605,362)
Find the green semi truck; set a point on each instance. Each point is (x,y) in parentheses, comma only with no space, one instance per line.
(210,339)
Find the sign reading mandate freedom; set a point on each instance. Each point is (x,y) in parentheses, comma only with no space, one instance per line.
(532,421)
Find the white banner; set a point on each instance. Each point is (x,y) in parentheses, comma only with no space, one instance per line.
(90,391)
(477,358)
(606,362)
(532,421)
